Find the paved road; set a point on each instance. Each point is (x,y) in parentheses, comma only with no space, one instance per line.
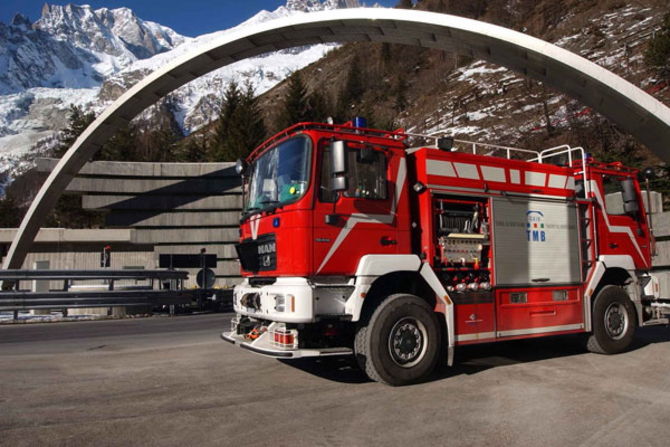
(171,381)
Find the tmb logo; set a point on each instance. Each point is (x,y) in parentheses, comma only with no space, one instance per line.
(535,226)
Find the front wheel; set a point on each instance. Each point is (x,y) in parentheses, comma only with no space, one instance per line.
(613,322)
(401,342)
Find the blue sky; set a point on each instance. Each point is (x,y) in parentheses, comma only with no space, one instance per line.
(188,17)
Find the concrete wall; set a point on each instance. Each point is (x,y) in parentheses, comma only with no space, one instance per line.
(176,208)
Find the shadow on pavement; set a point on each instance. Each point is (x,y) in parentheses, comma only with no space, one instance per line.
(473,359)
(338,369)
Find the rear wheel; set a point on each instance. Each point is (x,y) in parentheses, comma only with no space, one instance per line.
(613,322)
(401,342)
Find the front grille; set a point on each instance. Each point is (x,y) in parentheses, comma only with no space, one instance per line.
(258,255)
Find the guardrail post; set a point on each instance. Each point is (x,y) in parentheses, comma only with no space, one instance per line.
(40,285)
(16,288)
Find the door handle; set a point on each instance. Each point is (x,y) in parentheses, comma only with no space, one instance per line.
(540,279)
(613,245)
(385,240)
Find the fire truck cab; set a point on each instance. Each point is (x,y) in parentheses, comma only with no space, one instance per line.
(354,241)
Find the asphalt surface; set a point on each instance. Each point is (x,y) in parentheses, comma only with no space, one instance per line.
(171,381)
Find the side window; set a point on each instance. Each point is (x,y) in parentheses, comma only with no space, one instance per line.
(613,195)
(366,175)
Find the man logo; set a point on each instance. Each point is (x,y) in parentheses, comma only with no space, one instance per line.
(535,226)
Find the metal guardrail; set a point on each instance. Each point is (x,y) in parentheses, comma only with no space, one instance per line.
(170,291)
(26,275)
(13,301)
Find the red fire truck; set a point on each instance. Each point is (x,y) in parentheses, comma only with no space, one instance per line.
(355,241)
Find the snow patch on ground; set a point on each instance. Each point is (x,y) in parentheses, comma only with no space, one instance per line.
(479,69)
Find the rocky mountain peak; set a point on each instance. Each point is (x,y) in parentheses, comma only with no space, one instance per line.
(21,21)
(116,32)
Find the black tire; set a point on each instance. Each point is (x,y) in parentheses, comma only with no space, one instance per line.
(401,342)
(613,320)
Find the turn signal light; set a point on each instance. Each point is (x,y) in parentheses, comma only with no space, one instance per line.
(284,339)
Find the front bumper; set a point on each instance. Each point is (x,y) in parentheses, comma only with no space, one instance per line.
(262,346)
(295,294)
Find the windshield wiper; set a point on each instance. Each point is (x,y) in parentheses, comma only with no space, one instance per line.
(254,209)
(249,211)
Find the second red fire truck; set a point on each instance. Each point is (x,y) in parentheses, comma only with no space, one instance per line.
(354,241)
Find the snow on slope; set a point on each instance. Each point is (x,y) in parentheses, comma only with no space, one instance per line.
(198,101)
(486,102)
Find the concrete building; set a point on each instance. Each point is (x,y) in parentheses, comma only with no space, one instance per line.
(150,209)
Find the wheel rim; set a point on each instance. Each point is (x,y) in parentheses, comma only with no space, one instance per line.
(407,342)
(616,321)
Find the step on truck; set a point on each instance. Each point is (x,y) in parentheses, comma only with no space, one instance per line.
(398,248)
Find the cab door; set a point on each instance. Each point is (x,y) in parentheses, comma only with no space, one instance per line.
(360,220)
(622,224)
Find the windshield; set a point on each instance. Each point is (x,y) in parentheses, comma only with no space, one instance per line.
(280,175)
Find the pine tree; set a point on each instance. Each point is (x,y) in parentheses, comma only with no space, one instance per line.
(386,53)
(318,107)
(240,128)
(122,146)
(10,216)
(78,121)
(296,103)
(354,88)
(232,98)
(352,91)
(194,151)
(401,93)
(249,130)
(224,128)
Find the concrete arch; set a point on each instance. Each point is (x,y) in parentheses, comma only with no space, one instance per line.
(626,105)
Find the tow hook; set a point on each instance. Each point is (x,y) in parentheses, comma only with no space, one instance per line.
(255,332)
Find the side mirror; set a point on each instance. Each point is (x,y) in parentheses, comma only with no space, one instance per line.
(338,161)
(241,166)
(629,195)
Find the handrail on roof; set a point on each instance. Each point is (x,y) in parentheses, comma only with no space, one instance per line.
(509,150)
(568,150)
(539,156)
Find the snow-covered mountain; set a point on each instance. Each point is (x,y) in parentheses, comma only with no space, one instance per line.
(88,57)
(76,47)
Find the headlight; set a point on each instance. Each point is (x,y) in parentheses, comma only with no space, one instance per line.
(284,303)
